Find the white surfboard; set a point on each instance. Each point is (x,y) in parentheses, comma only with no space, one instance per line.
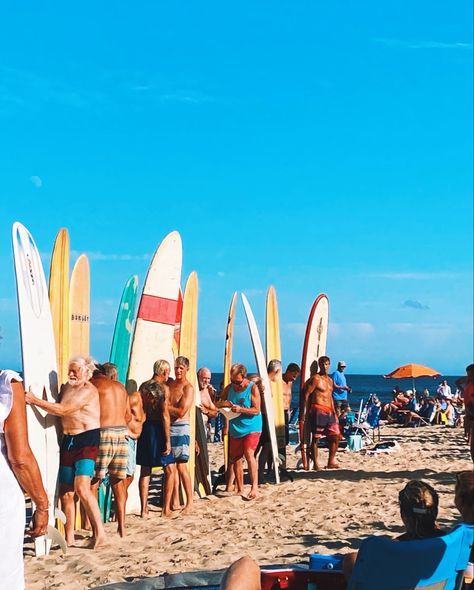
(262,370)
(39,363)
(155,325)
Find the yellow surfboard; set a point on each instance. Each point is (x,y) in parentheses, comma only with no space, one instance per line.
(59,301)
(188,348)
(79,293)
(229,333)
(79,307)
(273,352)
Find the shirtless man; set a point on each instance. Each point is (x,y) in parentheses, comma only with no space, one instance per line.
(181,399)
(318,399)
(207,393)
(113,446)
(79,410)
(135,418)
(154,446)
(289,377)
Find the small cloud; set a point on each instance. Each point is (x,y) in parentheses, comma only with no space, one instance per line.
(414,276)
(36,180)
(103,257)
(412,304)
(297,328)
(424,44)
(221,274)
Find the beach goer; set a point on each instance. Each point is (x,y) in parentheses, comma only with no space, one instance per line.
(181,399)
(467,384)
(135,418)
(418,510)
(112,457)
(207,394)
(243,574)
(289,377)
(154,445)
(341,389)
(242,396)
(322,414)
(264,448)
(18,471)
(444,390)
(79,410)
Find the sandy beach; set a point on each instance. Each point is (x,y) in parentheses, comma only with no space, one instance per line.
(326,512)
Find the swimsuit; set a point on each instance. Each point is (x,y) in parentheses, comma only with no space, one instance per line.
(77,455)
(238,446)
(180,440)
(323,421)
(151,445)
(113,453)
(132,455)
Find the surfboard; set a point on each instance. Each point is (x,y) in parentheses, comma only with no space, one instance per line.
(262,370)
(177,326)
(123,331)
(154,326)
(273,350)
(79,294)
(38,353)
(229,333)
(59,301)
(314,346)
(188,348)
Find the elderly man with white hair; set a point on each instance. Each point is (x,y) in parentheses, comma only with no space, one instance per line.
(79,410)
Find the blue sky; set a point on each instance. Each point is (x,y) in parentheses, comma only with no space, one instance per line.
(318,147)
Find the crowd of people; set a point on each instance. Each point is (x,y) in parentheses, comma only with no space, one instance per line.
(108,432)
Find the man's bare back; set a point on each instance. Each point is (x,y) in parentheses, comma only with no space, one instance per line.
(113,401)
(135,414)
(87,415)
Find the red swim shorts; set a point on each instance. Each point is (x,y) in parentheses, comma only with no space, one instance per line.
(238,446)
(324,422)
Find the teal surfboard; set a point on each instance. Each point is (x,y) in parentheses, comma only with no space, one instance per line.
(124,324)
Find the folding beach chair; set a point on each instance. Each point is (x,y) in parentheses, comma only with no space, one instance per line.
(432,564)
(368,420)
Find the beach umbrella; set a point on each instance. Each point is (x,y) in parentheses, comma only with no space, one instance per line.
(412,371)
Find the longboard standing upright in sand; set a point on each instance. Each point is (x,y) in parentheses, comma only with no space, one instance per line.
(155,324)
(273,349)
(314,347)
(123,331)
(262,370)
(79,294)
(188,348)
(59,301)
(38,353)
(229,334)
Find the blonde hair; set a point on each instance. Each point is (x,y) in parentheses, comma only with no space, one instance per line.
(238,369)
(419,508)
(87,363)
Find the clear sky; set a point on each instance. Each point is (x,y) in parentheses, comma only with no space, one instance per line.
(314,146)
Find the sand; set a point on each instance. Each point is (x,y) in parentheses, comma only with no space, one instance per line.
(327,512)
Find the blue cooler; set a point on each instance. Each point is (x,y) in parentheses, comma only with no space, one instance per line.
(323,563)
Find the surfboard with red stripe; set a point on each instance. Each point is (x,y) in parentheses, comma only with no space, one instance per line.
(155,325)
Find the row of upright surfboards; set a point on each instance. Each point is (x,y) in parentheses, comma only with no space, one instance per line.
(54,326)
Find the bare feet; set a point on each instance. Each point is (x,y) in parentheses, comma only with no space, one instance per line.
(145,514)
(317,467)
(71,542)
(121,531)
(187,509)
(252,494)
(333,465)
(99,541)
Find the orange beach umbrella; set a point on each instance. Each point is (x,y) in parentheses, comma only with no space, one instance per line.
(412,370)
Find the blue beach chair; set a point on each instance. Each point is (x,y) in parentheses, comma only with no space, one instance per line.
(432,564)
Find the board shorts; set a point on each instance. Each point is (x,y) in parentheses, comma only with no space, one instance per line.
(132,455)
(151,445)
(180,440)
(77,455)
(238,446)
(113,453)
(324,422)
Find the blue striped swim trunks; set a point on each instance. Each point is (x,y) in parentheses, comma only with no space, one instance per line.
(180,440)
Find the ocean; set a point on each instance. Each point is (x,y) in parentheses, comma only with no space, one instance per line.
(363,385)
